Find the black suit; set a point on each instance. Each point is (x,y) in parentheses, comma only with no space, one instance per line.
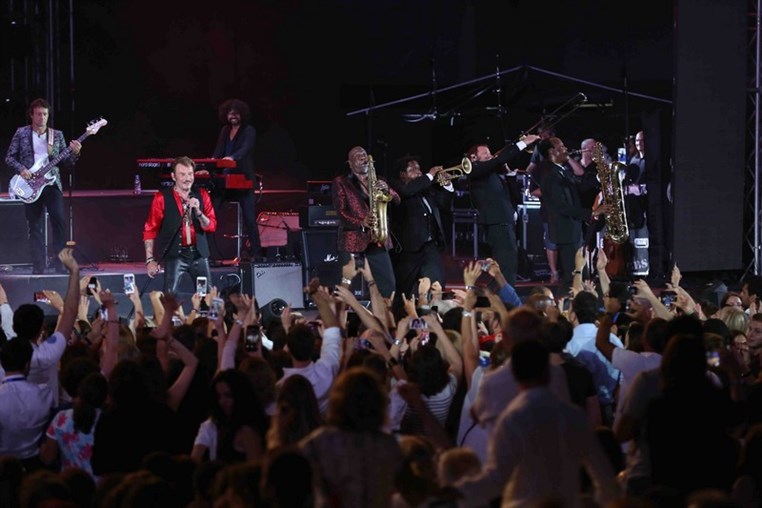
(419,232)
(491,197)
(565,214)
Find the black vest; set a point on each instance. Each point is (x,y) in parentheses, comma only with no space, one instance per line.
(169,234)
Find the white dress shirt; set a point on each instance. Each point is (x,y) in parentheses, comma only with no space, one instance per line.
(536,450)
(25,410)
(322,372)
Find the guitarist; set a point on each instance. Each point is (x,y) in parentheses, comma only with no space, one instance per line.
(31,147)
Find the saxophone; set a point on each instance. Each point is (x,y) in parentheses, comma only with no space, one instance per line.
(609,175)
(378,200)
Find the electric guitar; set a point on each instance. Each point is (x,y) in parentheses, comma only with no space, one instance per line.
(29,191)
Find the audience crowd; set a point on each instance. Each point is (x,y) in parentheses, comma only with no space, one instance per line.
(614,394)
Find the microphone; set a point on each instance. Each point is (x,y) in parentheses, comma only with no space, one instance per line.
(574,153)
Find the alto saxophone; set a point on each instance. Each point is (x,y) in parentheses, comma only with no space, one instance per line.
(378,200)
(609,175)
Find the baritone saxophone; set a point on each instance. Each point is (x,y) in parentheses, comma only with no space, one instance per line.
(610,178)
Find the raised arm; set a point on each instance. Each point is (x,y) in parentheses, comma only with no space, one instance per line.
(71,300)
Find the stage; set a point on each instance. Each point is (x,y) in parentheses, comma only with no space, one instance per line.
(107,226)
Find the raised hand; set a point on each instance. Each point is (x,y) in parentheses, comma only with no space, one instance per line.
(601,260)
(67,259)
(55,299)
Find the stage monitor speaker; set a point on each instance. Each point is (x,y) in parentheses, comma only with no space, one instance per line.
(14,235)
(270,281)
(317,247)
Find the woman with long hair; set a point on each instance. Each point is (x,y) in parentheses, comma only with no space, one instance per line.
(237,425)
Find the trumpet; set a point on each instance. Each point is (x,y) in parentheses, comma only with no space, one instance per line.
(454,172)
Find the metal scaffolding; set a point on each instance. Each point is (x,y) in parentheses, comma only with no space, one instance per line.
(752,207)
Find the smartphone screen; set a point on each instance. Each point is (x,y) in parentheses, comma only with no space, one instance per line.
(214,312)
(129,283)
(92,286)
(201,286)
(39,296)
(359,261)
(252,338)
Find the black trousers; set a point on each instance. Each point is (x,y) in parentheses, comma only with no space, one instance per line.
(409,266)
(502,241)
(191,262)
(51,199)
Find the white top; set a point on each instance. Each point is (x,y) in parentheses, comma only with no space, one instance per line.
(535,451)
(207,436)
(44,367)
(25,409)
(496,391)
(322,372)
(630,364)
(604,374)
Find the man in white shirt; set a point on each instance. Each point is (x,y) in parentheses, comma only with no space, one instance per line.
(300,342)
(582,347)
(28,321)
(538,446)
(25,407)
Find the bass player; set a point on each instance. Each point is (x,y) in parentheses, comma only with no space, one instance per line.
(31,147)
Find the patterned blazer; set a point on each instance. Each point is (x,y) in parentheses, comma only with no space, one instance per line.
(20,154)
(351,204)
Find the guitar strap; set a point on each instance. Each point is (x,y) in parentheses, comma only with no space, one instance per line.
(51,140)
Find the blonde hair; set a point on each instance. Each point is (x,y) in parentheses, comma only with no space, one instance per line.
(736,319)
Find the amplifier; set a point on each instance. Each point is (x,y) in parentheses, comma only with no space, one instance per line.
(320,192)
(268,281)
(318,217)
(274,227)
(14,235)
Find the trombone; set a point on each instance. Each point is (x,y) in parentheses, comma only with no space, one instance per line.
(454,172)
(558,114)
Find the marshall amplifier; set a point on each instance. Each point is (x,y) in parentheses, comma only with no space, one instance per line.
(318,217)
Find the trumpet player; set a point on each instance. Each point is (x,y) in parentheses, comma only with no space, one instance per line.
(352,197)
(417,223)
(491,197)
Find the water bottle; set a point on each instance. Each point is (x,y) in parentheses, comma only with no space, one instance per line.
(138,188)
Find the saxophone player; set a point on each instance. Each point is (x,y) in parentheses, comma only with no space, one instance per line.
(354,202)
(565,212)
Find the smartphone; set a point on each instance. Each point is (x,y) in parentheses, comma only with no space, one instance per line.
(632,290)
(176,321)
(713,358)
(484,265)
(251,338)
(39,296)
(201,286)
(418,324)
(92,286)
(668,298)
(129,283)
(482,302)
(359,261)
(621,154)
(425,337)
(214,312)
(103,313)
(566,305)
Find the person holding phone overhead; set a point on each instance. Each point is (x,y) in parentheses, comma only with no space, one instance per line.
(178,223)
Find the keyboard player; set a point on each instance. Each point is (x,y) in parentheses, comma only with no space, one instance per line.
(236,142)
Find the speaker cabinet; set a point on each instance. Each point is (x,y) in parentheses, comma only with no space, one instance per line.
(268,281)
(14,235)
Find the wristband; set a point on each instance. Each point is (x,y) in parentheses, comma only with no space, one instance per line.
(467,313)
(577,272)
(239,322)
(150,260)
(346,281)
(469,287)
(371,283)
